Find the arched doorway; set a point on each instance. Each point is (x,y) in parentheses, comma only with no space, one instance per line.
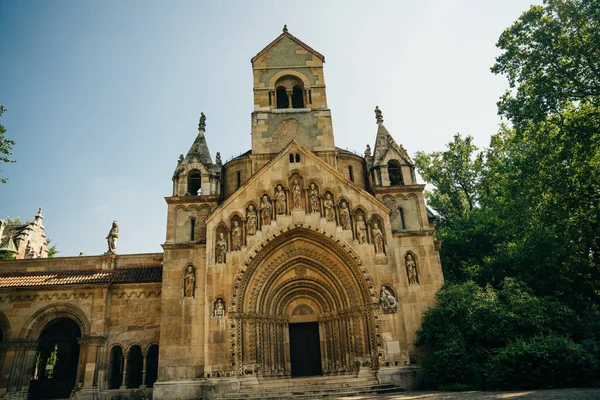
(56,360)
(303,307)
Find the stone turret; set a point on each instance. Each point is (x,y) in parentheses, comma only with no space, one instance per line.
(25,240)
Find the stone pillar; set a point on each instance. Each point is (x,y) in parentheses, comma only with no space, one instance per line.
(144,368)
(289,95)
(124,381)
(89,348)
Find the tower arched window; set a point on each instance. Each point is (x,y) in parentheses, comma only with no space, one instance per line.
(297,97)
(282,98)
(395,173)
(194,183)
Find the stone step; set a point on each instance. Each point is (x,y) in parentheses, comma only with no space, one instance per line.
(302,382)
(322,392)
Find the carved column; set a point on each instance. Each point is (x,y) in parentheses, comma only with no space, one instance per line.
(124,381)
(289,95)
(144,368)
(244,232)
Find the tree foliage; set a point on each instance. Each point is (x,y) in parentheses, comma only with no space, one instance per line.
(6,146)
(535,218)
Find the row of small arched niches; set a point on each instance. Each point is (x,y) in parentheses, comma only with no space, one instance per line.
(140,366)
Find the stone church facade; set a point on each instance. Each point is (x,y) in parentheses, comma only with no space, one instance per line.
(296,258)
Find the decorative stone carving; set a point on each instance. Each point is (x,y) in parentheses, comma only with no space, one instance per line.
(266,210)
(221,248)
(219,309)
(377,237)
(313,196)
(345,216)
(368,151)
(328,207)
(280,198)
(112,237)
(218,160)
(236,237)
(378,114)
(388,300)
(296,195)
(202,121)
(189,281)
(361,229)
(411,269)
(251,220)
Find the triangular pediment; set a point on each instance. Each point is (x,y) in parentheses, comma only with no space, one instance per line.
(283,36)
(266,178)
(387,149)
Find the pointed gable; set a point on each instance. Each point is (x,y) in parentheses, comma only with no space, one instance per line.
(286,36)
(384,143)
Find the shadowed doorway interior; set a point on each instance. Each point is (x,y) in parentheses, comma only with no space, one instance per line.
(305,350)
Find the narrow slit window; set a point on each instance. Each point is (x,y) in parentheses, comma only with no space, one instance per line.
(239,179)
(297,158)
(401,214)
(192,229)
(291,158)
(351,173)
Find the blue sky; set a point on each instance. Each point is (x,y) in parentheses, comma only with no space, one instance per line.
(103,96)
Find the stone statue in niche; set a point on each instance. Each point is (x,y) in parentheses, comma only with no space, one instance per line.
(221,248)
(344,216)
(189,281)
(266,209)
(313,195)
(411,269)
(361,229)
(377,237)
(387,300)
(328,207)
(251,220)
(112,237)
(236,237)
(296,195)
(280,200)
(219,309)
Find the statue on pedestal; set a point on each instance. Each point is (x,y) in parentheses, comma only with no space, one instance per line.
(112,237)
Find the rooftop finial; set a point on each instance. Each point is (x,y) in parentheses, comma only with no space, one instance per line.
(202,122)
(285,28)
(378,115)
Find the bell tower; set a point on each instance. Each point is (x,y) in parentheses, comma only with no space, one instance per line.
(290,102)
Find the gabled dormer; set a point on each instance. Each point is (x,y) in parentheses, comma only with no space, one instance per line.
(390,164)
(196,174)
(290,102)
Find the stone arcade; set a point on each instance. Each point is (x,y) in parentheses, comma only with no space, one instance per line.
(296,258)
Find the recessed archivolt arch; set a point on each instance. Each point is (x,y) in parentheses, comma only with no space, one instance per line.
(38,321)
(299,230)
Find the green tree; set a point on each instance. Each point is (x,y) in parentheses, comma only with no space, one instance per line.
(455,173)
(551,56)
(6,146)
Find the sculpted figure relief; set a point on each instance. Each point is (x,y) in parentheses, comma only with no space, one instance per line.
(361,229)
(344,216)
(189,281)
(267,210)
(251,220)
(221,248)
(296,195)
(236,237)
(112,237)
(219,309)
(377,237)
(387,300)
(280,200)
(328,206)
(313,195)
(411,269)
